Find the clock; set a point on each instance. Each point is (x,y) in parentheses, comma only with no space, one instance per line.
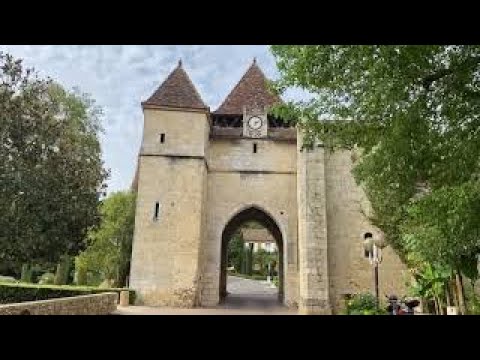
(255,123)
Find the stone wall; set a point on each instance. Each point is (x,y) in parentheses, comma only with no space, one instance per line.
(312,233)
(230,193)
(165,269)
(201,183)
(97,304)
(239,179)
(237,155)
(347,211)
(186,133)
(165,251)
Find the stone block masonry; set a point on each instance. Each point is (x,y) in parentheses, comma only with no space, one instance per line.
(312,233)
(97,304)
(197,175)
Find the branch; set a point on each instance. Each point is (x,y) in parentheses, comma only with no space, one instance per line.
(429,79)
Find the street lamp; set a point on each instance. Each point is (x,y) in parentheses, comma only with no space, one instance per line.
(373,246)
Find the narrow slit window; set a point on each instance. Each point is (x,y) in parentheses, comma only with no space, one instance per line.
(254,148)
(157,210)
(162,138)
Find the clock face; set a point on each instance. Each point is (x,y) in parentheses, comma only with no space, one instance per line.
(255,122)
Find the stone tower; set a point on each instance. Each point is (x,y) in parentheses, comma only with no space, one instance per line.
(171,185)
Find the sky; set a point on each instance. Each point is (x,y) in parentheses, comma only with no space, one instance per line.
(120,77)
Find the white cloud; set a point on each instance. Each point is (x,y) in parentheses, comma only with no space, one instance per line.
(119,77)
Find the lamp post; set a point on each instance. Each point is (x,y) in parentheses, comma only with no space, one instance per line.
(373,246)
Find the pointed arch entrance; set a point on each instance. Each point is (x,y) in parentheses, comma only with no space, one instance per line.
(258,215)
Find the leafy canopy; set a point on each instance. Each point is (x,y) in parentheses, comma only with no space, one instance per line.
(51,170)
(414,114)
(110,245)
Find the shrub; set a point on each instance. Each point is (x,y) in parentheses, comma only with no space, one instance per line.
(81,276)
(47,279)
(363,304)
(26,276)
(15,293)
(63,270)
(473,307)
(106,284)
(7,279)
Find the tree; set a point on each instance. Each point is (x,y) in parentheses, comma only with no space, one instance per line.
(413,115)
(263,258)
(50,167)
(236,253)
(110,245)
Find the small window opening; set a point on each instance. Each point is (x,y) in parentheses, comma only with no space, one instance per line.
(157,209)
(162,138)
(254,148)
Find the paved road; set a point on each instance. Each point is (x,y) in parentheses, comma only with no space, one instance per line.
(252,295)
(246,297)
(240,286)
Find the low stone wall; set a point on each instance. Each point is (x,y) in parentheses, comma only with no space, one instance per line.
(96,304)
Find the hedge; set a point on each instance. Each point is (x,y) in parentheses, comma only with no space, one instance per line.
(15,293)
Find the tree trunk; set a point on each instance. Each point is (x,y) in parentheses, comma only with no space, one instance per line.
(454,292)
(243,269)
(250,269)
(437,307)
(461,297)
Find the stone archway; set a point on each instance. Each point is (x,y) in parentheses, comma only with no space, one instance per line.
(251,214)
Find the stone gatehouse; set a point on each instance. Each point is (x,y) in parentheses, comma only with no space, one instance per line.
(202,174)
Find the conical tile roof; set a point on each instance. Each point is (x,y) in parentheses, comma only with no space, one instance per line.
(177,91)
(251,90)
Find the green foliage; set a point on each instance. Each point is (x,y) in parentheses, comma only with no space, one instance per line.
(235,252)
(7,279)
(410,114)
(262,258)
(47,279)
(363,304)
(63,271)
(110,245)
(472,300)
(430,281)
(51,169)
(81,276)
(473,306)
(249,260)
(443,227)
(13,293)
(26,275)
